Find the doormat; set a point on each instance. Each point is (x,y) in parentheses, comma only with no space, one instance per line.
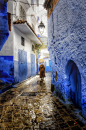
(29,94)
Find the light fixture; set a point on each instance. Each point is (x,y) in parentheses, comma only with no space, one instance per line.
(41,27)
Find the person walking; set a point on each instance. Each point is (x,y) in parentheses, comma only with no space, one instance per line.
(42,71)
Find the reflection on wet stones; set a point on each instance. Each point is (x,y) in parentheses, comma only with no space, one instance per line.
(35,108)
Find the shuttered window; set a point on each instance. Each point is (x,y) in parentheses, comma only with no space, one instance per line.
(9,20)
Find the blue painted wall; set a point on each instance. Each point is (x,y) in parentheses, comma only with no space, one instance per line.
(47,67)
(67,24)
(33,71)
(7,69)
(4,33)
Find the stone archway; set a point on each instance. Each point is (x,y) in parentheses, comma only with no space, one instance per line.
(75,82)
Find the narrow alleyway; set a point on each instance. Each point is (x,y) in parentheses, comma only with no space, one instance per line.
(31,106)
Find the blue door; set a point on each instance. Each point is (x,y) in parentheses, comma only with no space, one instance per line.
(22,65)
(49,65)
(33,71)
(75,83)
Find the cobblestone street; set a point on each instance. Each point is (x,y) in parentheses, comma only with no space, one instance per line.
(31,106)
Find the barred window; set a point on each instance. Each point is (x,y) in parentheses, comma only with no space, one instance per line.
(22,41)
(22,14)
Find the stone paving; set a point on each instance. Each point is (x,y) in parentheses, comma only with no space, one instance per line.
(31,106)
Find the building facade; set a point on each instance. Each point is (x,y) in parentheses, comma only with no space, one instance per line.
(17,56)
(67,48)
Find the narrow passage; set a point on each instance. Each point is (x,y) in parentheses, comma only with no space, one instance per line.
(31,106)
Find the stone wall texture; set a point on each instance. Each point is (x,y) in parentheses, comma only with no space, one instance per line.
(67,44)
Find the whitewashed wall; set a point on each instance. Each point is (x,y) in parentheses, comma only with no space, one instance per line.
(17,45)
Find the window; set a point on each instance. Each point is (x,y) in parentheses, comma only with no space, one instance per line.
(22,13)
(9,20)
(22,41)
(32,4)
(32,47)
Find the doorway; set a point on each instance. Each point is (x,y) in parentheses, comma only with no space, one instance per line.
(22,65)
(75,83)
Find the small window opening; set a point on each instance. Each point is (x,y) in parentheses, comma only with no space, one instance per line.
(32,47)
(9,20)
(22,41)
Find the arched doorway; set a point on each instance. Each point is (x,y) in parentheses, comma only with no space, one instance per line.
(75,83)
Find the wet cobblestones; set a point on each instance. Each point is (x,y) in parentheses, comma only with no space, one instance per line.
(31,106)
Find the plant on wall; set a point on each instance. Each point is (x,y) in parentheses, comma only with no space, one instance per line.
(39,47)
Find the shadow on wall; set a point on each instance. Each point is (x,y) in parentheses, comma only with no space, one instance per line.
(75,82)
(3,23)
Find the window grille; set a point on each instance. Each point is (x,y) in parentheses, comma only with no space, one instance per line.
(22,14)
